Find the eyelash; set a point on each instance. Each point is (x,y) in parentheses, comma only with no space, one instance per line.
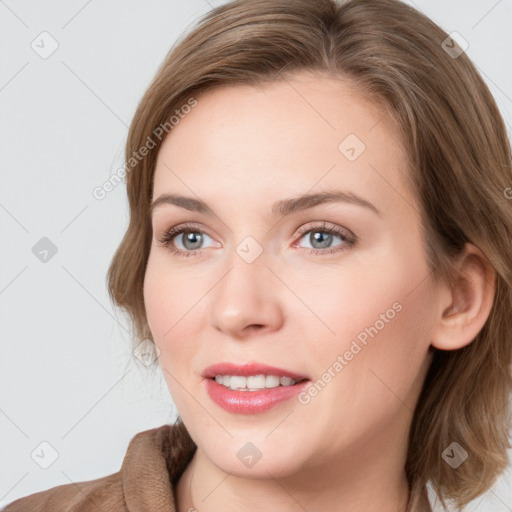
(349,240)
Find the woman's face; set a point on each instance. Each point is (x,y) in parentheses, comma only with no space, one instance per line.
(352,310)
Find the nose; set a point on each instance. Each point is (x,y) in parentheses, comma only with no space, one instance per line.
(246,301)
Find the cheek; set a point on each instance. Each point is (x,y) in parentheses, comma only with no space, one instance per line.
(378,320)
(174,310)
(164,303)
(347,304)
(378,356)
(155,297)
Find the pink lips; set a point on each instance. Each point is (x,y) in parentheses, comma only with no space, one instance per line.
(250,402)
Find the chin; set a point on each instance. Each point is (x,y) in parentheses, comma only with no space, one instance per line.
(254,456)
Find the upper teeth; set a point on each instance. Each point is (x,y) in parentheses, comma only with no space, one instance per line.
(253,382)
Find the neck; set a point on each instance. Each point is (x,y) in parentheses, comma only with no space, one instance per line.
(366,480)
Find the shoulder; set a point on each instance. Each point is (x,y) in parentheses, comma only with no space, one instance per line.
(144,468)
(100,494)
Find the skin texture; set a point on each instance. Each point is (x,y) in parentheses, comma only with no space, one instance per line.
(241,149)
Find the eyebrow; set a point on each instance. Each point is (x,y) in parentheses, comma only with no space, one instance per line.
(281,208)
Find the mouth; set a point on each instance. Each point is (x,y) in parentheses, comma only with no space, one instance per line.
(252,376)
(254,393)
(254,382)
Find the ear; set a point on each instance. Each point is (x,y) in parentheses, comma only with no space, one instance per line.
(465,307)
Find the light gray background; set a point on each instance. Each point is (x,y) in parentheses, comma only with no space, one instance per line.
(67,375)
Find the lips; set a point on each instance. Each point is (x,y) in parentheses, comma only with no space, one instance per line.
(251,368)
(251,402)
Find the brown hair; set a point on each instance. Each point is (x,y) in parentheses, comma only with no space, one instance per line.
(460,166)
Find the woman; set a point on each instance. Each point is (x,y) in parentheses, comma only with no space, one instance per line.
(319,255)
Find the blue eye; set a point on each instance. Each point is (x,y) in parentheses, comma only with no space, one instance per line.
(321,234)
(193,236)
(317,235)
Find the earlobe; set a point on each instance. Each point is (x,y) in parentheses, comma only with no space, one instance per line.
(467,304)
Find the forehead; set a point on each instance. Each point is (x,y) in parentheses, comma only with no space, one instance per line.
(283,138)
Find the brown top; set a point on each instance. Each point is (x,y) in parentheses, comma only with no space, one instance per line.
(154,462)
